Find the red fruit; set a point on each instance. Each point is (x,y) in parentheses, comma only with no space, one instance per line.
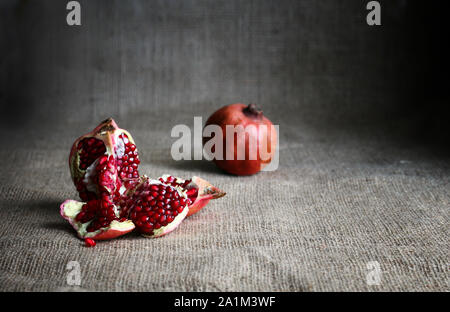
(198,191)
(89,221)
(89,242)
(250,151)
(156,208)
(103,161)
(103,165)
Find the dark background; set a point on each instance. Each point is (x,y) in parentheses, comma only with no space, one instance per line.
(364,173)
(316,60)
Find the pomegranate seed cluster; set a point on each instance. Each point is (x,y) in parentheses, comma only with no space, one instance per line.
(106,175)
(91,149)
(99,211)
(155,206)
(191,193)
(127,164)
(123,201)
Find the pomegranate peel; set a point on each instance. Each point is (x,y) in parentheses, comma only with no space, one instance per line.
(69,210)
(206,192)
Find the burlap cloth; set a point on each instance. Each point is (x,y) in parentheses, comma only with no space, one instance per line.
(347,191)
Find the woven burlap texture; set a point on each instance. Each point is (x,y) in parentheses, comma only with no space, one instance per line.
(347,191)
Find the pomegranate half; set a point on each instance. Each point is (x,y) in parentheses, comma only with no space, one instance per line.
(103,160)
(103,165)
(71,209)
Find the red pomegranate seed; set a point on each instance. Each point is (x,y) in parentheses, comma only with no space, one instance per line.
(89,242)
(128,162)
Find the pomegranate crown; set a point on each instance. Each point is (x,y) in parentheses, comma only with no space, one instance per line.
(106,125)
(252,111)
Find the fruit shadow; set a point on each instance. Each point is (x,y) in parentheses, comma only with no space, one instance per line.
(51,206)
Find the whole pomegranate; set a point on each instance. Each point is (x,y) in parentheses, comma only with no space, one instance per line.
(249,139)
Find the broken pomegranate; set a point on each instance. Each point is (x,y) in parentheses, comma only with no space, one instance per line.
(199,192)
(89,221)
(103,161)
(102,165)
(116,200)
(157,208)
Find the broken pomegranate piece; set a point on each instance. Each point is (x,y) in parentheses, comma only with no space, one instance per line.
(103,161)
(103,164)
(92,220)
(157,209)
(198,191)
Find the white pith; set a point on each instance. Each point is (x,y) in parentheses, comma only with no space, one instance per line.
(89,174)
(122,189)
(120,149)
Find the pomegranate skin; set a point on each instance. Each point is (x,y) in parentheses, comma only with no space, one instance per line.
(244,115)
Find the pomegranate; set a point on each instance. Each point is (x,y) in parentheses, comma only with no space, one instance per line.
(87,219)
(102,165)
(244,152)
(116,200)
(199,192)
(157,208)
(102,161)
